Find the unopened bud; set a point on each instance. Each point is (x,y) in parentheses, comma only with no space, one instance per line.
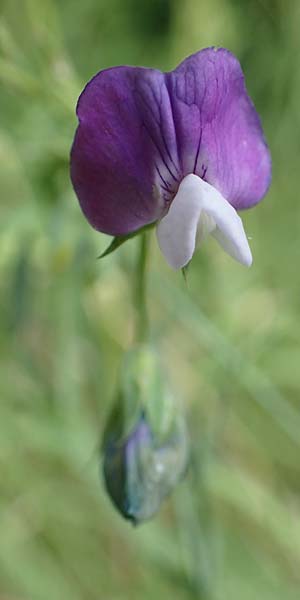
(145,444)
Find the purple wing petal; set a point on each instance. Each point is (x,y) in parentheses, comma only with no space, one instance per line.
(124,161)
(219,136)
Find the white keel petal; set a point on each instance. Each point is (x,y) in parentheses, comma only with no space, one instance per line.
(176,232)
(236,245)
(199,202)
(229,230)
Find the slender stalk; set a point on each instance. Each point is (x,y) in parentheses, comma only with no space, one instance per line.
(140,289)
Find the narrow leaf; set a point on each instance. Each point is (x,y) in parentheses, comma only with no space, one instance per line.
(121,239)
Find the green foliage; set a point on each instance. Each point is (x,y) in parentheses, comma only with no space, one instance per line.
(119,240)
(229,341)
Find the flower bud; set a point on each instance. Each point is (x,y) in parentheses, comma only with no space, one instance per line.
(145,444)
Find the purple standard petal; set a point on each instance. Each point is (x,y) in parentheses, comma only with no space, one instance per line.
(218,130)
(141,132)
(124,162)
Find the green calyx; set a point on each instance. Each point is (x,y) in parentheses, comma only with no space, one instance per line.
(119,240)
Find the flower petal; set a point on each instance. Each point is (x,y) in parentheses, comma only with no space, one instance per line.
(229,231)
(197,202)
(124,161)
(176,232)
(218,130)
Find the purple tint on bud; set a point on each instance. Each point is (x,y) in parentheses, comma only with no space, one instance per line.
(141,471)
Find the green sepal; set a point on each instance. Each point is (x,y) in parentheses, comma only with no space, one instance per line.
(184,272)
(144,388)
(119,240)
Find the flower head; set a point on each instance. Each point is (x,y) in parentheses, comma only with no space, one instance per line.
(184,149)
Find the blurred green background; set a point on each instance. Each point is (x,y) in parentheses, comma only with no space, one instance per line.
(230,341)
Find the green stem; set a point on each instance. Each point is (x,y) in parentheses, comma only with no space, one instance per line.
(140,289)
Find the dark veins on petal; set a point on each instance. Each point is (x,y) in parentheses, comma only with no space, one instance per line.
(219,136)
(153,104)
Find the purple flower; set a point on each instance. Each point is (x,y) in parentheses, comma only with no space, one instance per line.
(184,149)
